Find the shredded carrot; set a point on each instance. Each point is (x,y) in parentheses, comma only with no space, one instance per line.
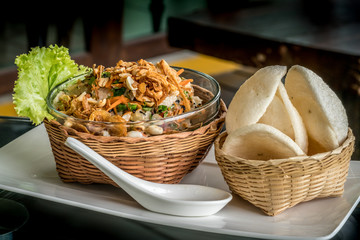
(108,83)
(180,71)
(183,83)
(180,111)
(113,99)
(118,100)
(185,100)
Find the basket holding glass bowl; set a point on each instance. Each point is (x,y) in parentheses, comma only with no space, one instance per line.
(154,121)
(285,143)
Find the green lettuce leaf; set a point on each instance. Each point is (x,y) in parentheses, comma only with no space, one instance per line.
(39,71)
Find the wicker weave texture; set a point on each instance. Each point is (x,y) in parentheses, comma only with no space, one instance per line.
(276,185)
(161,159)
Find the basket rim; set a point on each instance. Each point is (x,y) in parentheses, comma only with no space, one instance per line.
(275,162)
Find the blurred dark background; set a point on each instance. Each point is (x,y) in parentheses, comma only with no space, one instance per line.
(102,33)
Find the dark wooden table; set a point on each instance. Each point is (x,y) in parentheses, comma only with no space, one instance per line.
(322,35)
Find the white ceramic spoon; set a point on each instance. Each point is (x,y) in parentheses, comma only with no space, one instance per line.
(173,199)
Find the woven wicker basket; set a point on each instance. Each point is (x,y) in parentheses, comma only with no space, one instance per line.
(161,159)
(276,185)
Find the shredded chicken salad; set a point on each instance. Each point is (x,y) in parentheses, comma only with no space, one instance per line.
(128,92)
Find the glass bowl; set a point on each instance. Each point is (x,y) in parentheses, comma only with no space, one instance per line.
(205,86)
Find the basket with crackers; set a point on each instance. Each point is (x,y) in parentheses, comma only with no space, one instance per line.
(287,140)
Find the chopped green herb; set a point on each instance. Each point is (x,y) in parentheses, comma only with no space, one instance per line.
(121,107)
(187,95)
(145,108)
(106,74)
(119,91)
(92,80)
(132,107)
(162,108)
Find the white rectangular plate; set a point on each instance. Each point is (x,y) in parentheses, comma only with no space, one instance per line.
(27,166)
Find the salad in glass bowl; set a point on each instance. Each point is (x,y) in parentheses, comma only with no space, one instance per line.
(135,99)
